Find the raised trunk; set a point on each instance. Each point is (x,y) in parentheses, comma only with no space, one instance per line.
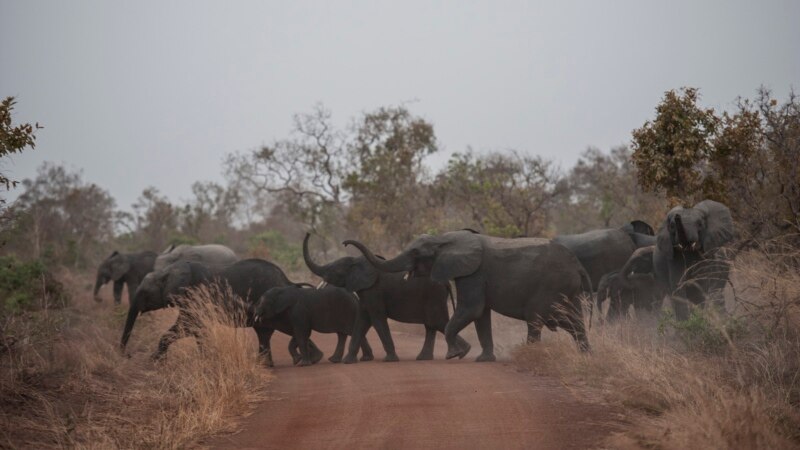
(133,313)
(315,268)
(683,241)
(401,263)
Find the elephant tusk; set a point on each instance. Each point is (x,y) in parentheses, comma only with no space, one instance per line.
(357,297)
(322,284)
(406,276)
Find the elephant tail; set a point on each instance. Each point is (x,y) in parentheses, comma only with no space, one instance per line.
(586,287)
(452,297)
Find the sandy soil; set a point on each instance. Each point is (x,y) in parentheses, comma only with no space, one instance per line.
(416,404)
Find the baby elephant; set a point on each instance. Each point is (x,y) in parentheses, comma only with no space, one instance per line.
(327,310)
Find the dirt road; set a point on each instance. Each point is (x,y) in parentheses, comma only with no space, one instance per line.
(415,404)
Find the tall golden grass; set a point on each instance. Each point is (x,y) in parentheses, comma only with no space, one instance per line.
(65,383)
(720,381)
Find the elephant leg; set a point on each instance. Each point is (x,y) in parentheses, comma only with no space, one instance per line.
(294,350)
(574,325)
(302,336)
(483,326)
(681,307)
(534,331)
(471,301)
(182,326)
(166,340)
(360,329)
(264,350)
(118,285)
(461,343)
(382,327)
(314,352)
(427,348)
(366,350)
(337,354)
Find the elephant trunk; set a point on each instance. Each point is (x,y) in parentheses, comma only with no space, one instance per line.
(683,241)
(133,313)
(401,263)
(315,268)
(99,282)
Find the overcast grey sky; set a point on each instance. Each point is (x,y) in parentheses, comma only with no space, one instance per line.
(157,92)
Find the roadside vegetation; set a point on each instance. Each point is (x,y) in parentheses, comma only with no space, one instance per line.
(718,380)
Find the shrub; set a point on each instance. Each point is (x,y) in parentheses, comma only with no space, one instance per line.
(28,286)
(272,245)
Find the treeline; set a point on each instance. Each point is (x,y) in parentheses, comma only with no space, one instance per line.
(369,179)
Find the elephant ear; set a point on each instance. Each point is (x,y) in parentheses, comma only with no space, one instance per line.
(719,224)
(119,265)
(460,254)
(642,227)
(663,239)
(362,275)
(283,301)
(174,280)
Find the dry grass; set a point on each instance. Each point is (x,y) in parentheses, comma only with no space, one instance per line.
(65,384)
(728,381)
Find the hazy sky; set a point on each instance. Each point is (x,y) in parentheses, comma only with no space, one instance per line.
(156,93)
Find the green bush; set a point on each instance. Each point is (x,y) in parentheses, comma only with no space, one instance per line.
(703,332)
(28,286)
(273,246)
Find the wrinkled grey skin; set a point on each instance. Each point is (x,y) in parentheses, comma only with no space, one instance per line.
(212,255)
(535,280)
(248,279)
(606,250)
(634,284)
(688,259)
(326,310)
(383,296)
(122,269)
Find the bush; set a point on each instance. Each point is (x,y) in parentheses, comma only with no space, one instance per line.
(28,286)
(273,246)
(704,331)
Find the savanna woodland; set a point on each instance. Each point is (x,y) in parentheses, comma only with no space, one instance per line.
(724,377)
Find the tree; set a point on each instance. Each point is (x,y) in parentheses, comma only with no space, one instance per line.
(61,218)
(507,194)
(670,152)
(604,192)
(14,139)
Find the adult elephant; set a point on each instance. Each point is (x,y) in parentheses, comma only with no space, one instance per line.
(531,279)
(384,296)
(328,309)
(606,250)
(248,279)
(124,269)
(633,285)
(688,259)
(213,255)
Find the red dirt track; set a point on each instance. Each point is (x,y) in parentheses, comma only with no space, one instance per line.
(415,404)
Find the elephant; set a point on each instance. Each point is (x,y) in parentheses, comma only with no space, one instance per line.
(248,279)
(688,258)
(383,296)
(634,284)
(123,268)
(531,279)
(213,255)
(326,310)
(606,250)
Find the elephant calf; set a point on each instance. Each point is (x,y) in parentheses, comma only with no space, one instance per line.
(634,284)
(326,310)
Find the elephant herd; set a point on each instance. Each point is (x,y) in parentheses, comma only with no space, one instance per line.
(540,281)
